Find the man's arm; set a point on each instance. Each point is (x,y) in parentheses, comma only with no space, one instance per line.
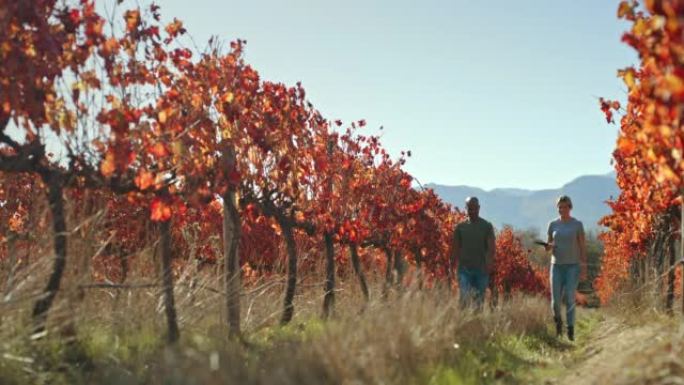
(491,250)
(455,252)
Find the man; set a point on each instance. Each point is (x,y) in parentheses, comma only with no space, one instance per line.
(473,250)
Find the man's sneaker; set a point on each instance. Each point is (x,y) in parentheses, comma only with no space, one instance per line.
(571,333)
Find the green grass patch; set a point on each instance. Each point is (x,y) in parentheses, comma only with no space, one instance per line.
(512,359)
(300,331)
(506,359)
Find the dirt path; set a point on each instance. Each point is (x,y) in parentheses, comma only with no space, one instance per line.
(600,358)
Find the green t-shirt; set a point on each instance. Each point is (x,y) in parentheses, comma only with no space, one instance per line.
(472,237)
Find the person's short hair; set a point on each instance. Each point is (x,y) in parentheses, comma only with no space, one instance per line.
(472,199)
(564,199)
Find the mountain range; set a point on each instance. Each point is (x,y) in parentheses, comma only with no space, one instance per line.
(533,209)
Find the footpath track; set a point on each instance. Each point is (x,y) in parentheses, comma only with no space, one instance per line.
(606,355)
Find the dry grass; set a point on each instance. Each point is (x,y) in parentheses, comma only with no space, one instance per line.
(658,359)
(656,339)
(640,304)
(114,336)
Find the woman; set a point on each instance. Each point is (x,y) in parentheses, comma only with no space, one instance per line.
(568,263)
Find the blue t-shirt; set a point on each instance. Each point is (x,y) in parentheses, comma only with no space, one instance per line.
(565,236)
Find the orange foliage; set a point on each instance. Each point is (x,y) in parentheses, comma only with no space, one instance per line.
(648,155)
(512,269)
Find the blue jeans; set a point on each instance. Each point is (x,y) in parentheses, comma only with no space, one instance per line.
(564,280)
(472,284)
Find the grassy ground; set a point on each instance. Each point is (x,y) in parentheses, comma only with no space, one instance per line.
(414,337)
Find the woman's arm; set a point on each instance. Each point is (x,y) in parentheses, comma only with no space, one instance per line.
(549,239)
(583,254)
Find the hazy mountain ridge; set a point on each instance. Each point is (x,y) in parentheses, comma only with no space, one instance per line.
(535,208)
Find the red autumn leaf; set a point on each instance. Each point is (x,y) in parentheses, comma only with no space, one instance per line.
(175,28)
(144,180)
(626,145)
(108,165)
(132,18)
(606,108)
(16,222)
(162,116)
(75,16)
(152,31)
(181,208)
(625,10)
(158,150)
(160,211)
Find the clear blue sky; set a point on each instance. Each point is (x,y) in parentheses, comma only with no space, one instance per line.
(484,93)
